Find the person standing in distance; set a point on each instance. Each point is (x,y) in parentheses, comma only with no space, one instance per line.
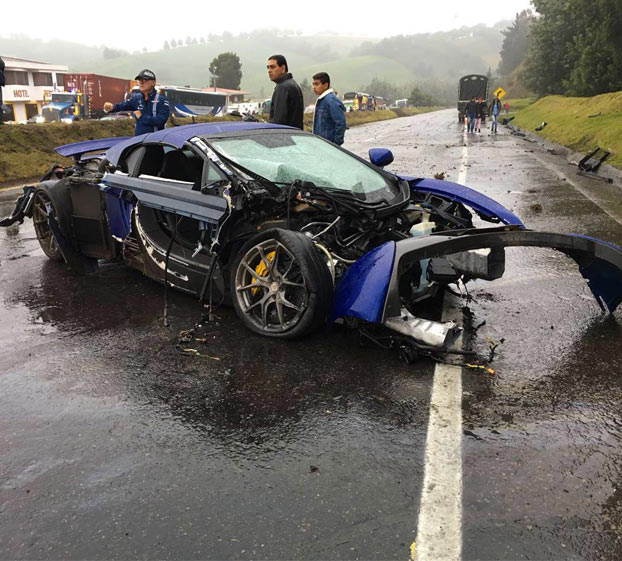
(495,110)
(149,108)
(480,114)
(329,117)
(471,110)
(286,107)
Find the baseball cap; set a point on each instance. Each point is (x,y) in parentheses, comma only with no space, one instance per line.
(145,74)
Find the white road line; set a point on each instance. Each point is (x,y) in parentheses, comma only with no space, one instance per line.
(439,531)
(439,528)
(463,164)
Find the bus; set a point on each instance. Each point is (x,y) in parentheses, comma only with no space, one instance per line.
(191,102)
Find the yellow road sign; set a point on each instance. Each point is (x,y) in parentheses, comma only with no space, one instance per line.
(499,92)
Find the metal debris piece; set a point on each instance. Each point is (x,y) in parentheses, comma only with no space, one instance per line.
(590,163)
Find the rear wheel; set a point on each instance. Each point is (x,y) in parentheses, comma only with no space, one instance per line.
(43,205)
(280,286)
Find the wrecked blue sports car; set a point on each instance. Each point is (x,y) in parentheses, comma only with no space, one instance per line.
(291,229)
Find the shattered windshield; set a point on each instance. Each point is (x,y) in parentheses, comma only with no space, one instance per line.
(286,156)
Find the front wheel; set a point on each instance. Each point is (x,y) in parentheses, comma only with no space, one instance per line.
(280,286)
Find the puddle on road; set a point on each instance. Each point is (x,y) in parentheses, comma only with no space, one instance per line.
(101,337)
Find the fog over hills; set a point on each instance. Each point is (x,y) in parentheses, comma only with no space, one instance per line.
(353,62)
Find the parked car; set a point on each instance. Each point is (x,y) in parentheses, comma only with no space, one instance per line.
(294,231)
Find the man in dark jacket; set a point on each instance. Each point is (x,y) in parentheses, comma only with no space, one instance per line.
(149,108)
(329,118)
(471,112)
(286,107)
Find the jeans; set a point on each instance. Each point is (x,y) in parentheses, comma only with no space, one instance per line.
(470,122)
(493,124)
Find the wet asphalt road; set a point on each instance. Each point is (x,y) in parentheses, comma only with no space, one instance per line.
(115,446)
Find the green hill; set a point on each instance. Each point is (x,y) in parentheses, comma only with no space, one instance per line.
(580,123)
(189,65)
(352,61)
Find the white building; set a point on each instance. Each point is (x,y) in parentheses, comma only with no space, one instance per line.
(28,83)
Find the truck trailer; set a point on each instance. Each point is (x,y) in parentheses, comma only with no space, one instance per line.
(471,85)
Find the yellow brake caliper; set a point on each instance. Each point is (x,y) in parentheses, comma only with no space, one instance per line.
(262,270)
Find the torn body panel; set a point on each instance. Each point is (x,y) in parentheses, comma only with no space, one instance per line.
(486,207)
(361,292)
(600,263)
(23,208)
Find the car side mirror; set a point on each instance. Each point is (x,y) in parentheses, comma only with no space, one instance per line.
(380,156)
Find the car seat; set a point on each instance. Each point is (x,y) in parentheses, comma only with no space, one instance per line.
(177,165)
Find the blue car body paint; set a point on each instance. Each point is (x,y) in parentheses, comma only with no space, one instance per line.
(465,195)
(362,289)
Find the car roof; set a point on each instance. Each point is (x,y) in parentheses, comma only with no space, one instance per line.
(177,136)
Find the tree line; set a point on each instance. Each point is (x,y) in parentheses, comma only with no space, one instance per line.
(571,47)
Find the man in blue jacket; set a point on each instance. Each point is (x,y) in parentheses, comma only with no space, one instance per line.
(149,108)
(329,118)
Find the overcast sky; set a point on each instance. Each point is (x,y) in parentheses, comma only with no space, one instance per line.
(131,25)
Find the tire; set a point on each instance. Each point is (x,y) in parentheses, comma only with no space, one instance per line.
(60,209)
(280,286)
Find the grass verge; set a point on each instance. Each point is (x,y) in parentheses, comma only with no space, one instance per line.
(28,150)
(580,123)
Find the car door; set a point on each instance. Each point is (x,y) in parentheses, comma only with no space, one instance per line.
(169,179)
(174,221)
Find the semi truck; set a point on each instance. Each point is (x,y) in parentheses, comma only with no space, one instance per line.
(65,107)
(84,97)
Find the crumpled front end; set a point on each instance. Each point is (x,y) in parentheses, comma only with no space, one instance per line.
(379,287)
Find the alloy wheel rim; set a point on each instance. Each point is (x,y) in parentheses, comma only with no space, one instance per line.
(42,207)
(271,291)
